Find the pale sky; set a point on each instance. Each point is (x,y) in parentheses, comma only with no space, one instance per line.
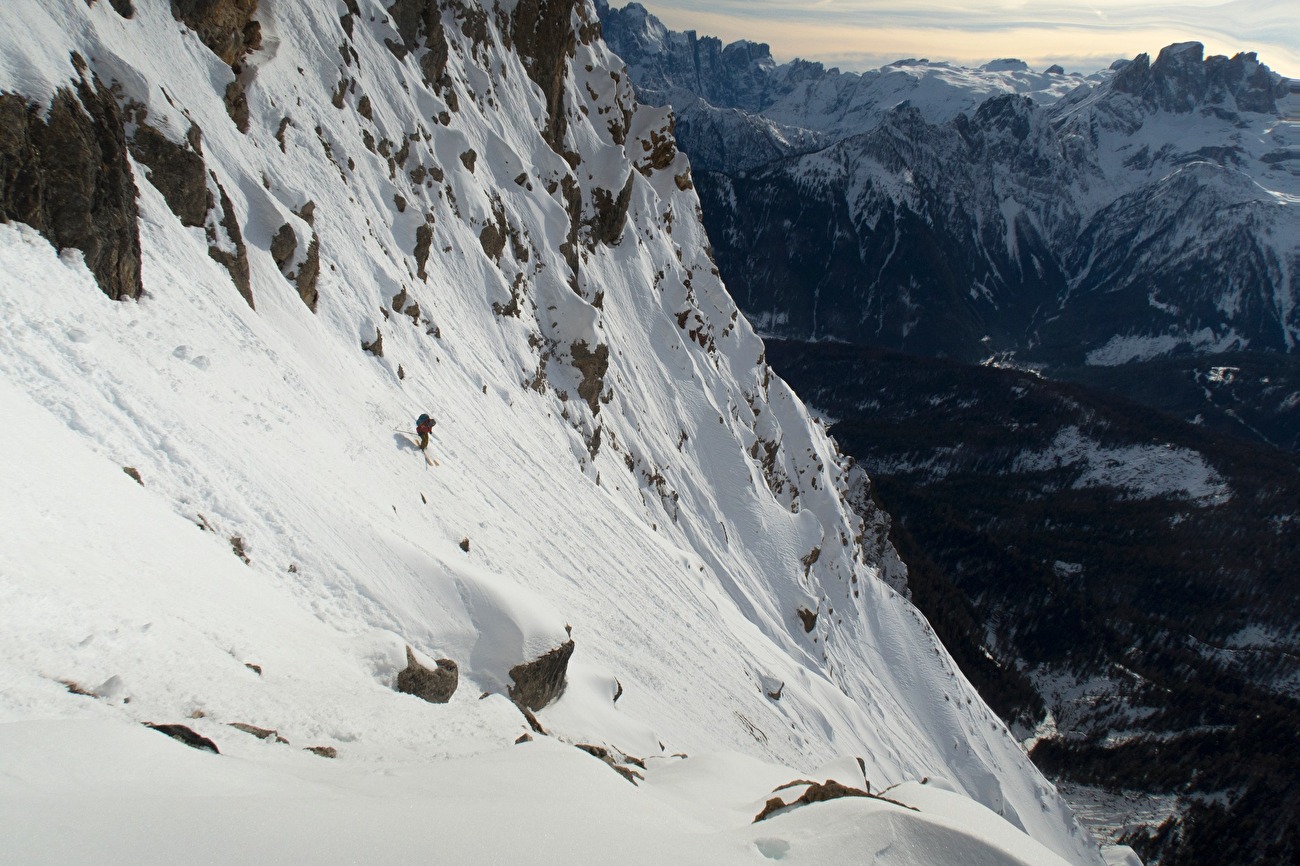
(1081,36)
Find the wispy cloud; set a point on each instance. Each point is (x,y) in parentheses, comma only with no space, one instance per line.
(1084,35)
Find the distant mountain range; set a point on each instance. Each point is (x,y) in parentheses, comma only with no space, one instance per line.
(1149,211)
(736,108)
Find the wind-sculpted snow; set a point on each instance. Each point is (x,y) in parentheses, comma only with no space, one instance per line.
(614,460)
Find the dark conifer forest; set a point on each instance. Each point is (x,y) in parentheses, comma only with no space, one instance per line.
(1039,559)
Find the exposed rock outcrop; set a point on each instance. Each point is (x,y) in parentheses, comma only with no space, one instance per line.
(423,243)
(176,170)
(225,26)
(284,248)
(537,683)
(493,240)
(808,618)
(260,733)
(228,29)
(611,213)
(308,274)
(659,149)
(121,7)
(66,174)
(236,100)
(185,735)
(592,364)
(612,761)
(419,23)
(738,75)
(399,300)
(283,245)
(819,792)
(572,196)
(435,685)
(226,244)
(1182,79)
(543,34)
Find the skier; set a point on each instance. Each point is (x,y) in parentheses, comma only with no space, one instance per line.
(424,426)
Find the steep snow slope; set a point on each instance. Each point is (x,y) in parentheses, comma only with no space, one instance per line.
(176,614)
(519,245)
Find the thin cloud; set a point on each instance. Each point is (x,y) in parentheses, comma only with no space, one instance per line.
(1083,36)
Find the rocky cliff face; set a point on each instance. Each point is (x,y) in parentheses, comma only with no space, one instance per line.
(737,75)
(1183,80)
(64,172)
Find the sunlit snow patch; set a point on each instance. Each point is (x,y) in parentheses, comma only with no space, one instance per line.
(1143,471)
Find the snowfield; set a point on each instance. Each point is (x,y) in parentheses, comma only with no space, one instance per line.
(1141,471)
(672,513)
